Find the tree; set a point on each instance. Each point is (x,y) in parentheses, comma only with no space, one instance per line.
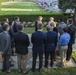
(68,4)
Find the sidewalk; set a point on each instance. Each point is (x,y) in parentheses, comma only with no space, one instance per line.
(70,63)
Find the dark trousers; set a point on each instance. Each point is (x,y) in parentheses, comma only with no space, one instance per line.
(69,51)
(51,54)
(6,62)
(35,55)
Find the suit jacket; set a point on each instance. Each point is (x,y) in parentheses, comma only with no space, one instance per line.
(51,41)
(71,31)
(1,29)
(11,35)
(38,40)
(21,42)
(36,23)
(5,43)
(15,27)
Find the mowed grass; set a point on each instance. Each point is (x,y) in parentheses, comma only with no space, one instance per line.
(74,55)
(51,71)
(30,30)
(20,8)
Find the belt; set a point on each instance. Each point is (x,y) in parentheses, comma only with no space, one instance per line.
(63,45)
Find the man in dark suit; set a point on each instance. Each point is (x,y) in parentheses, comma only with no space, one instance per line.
(5,43)
(15,25)
(1,29)
(38,40)
(50,46)
(11,33)
(71,31)
(37,22)
(21,44)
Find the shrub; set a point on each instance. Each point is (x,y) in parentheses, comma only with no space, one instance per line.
(32,18)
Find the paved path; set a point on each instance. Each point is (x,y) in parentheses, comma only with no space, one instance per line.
(71,63)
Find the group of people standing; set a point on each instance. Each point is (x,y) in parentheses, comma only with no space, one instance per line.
(59,38)
(13,39)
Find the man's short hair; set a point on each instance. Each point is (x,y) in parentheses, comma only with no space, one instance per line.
(40,26)
(15,18)
(2,23)
(5,27)
(61,19)
(5,19)
(20,27)
(52,18)
(48,27)
(55,29)
(10,23)
(65,29)
(40,17)
(70,21)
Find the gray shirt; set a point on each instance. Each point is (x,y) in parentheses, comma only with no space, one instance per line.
(5,43)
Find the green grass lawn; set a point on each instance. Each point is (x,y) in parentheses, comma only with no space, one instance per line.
(30,30)
(51,71)
(21,8)
(74,55)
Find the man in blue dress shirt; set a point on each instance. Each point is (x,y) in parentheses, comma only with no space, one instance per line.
(63,45)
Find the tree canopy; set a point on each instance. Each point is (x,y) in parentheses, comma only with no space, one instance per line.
(67,4)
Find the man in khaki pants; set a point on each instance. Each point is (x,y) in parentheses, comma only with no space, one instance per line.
(22,62)
(21,44)
(63,46)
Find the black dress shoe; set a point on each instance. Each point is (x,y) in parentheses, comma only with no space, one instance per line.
(32,70)
(45,66)
(8,71)
(67,59)
(3,70)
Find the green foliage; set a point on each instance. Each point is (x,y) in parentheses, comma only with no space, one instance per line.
(8,11)
(74,55)
(33,17)
(67,4)
(51,71)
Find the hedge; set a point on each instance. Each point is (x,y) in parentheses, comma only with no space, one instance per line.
(34,17)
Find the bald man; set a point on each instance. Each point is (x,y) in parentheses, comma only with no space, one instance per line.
(51,44)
